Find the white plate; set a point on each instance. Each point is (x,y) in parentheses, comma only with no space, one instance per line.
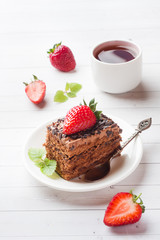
(121,167)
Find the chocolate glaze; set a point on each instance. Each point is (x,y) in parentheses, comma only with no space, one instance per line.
(98,172)
(83,151)
(101,124)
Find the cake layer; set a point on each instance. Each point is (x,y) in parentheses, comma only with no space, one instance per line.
(53,143)
(84,168)
(78,153)
(81,163)
(104,130)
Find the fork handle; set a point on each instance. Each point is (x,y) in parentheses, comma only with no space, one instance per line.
(126,143)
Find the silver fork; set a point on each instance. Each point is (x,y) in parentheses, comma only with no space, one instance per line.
(101,170)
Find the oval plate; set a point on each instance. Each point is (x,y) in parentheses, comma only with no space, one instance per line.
(121,167)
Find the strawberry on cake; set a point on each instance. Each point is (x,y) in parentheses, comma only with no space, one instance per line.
(82,140)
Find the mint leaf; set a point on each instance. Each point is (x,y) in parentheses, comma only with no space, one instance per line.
(46,165)
(40,164)
(75,87)
(36,153)
(50,168)
(46,160)
(60,97)
(70,91)
(71,94)
(67,87)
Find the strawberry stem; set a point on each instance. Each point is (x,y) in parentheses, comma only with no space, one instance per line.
(51,50)
(135,198)
(35,78)
(92,105)
(84,102)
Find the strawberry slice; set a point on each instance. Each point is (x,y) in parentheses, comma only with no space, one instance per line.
(124,209)
(35,90)
(62,58)
(80,118)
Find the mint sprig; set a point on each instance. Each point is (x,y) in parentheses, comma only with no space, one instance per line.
(60,96)
(70,92)
(38,156)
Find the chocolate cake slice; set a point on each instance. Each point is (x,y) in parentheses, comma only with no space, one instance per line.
(80,152)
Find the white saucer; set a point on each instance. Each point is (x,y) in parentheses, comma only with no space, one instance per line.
(121,167)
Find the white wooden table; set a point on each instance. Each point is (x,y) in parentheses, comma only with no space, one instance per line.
(28,209)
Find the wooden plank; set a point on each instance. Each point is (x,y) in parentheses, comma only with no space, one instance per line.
(36,48)
(30,210)
(128,100)
(32,119)
(100,237)
(13,79)
(78,12)
(43,198)
(72,223)
(12,155)
(17,137)
(17,176)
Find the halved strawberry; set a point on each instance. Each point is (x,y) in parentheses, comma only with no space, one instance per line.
(124,209)
(35,90)
(80,118)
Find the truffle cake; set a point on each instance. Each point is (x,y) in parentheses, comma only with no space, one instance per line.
(82,151)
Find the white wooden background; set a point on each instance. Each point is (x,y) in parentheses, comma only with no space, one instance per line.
(28,28)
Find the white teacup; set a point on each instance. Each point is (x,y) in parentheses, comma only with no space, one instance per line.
(117,77)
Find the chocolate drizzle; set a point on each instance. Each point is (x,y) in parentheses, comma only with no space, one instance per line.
(101,124)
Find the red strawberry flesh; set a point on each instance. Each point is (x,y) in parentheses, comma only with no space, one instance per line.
(36,91)
(122,210)
(79,118)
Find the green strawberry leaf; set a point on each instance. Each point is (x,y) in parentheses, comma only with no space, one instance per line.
(56,45)
(92,102)
(75,87)
(60,97)
(36,153)
(49,168)
(51,50)
(98,114)
(67,86)
(84,102)
(26,84)
(35,78)
(71,94)
(93,107)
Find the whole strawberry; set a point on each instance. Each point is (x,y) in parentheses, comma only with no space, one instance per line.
(35,90)
(80,118)
(124,209)
(61,57)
